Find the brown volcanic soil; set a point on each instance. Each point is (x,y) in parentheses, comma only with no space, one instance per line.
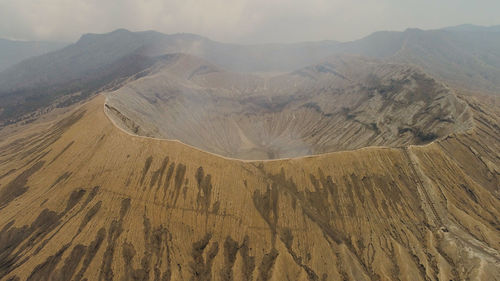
(343,104)
(82,200)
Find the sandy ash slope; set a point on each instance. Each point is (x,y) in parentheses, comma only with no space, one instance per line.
(345,103)
(82,200)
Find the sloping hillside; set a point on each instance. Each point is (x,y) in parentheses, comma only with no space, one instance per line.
(464,56)
(82,200)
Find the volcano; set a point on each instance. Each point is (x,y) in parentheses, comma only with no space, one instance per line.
(352,168)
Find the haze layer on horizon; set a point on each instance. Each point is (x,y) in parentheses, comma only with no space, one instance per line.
(237,21)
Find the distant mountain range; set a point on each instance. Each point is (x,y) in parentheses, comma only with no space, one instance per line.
(465,56)
(463,59)
(473,27)
(13,51)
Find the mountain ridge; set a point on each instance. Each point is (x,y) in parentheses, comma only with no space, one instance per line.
(464,60)
(473,27)
(13,52)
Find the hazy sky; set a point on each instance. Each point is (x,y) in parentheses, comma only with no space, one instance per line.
(244,21)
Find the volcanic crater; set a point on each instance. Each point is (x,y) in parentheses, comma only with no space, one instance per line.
(344,103)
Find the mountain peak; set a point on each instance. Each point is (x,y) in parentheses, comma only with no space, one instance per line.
(413,30)
(92,36)
(120,30)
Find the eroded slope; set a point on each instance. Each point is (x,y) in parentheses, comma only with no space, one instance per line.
(342,104)
(104,205)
